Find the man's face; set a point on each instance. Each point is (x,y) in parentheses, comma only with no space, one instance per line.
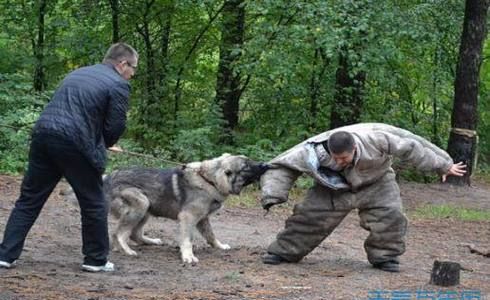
(127,68)
(344,159)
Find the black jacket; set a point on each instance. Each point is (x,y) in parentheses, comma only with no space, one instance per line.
(89,108)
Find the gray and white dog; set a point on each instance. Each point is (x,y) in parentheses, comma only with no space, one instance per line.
(188,194)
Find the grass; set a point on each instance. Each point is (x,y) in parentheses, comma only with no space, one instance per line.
(250,197)
(482,175)
(451,212)
(233,276)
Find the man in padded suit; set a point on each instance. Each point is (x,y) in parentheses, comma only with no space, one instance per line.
(352,169)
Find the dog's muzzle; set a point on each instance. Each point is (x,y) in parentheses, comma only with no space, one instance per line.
(255,172)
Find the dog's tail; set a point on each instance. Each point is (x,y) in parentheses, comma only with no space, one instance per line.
(107,180)
(69,195)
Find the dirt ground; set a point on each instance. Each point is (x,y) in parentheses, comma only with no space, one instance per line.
(50,264)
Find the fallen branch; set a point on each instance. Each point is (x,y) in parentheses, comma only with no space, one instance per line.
(473,249)
(23,276)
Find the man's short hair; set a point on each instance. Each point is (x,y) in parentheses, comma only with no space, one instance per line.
(340,142)
(118,52)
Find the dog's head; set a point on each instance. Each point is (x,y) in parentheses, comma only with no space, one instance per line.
(231,173)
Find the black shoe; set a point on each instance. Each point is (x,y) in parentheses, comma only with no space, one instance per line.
(388,266)
(273,259)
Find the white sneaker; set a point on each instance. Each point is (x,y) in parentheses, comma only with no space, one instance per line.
(108,267)
(6,265)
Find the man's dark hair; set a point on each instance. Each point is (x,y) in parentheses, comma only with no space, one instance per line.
(119,52)
(340,142)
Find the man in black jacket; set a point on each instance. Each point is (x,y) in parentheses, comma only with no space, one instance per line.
(86,115)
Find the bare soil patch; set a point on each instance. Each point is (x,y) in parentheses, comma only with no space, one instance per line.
(50,265)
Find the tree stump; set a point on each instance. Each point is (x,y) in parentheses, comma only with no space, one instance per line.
(445,273)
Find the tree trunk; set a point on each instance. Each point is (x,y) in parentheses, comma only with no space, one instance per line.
(228,90)
(317,79)
(150,76)
(115,20)
(464,119)
(350,76)
(192,48)
(39,76)
(436,139)
(347,106)
(165,44)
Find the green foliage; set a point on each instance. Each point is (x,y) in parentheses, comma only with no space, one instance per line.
(304,182)
(19,108)
(11,58)
(13,151)
(262,150)
(194,145)
(411,174)
(484,110)
(288,62)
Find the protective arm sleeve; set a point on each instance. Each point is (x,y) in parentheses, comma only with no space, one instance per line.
(275,185)
(416,151)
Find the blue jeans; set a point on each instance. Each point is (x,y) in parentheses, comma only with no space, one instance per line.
(50,158)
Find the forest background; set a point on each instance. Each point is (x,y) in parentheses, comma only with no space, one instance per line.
(249,77)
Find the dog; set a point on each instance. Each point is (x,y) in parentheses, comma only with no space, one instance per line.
(188,194)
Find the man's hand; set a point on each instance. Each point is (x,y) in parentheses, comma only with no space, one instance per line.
(456,170)
(115,148)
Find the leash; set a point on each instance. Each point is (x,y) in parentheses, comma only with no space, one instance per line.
(146,156)
(26,128)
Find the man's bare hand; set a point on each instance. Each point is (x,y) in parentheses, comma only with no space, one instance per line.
(115,148)
(456,170)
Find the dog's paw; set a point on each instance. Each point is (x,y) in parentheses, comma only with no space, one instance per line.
(187,253)
(130,252)
(222,246)
(189,259)
(150,241)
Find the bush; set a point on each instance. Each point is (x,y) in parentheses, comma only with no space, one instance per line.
(194,145)
(19,107)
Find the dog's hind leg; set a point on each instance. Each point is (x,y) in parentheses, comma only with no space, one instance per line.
(135,209)
(206,231)
(138,234)
(187,222)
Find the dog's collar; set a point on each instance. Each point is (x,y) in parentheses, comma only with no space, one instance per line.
(199,172)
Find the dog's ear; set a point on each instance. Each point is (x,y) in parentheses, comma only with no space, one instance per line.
(225,155)
(192,165)
(210,167)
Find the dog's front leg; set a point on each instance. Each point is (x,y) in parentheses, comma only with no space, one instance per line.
(206,231)
(187,221)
